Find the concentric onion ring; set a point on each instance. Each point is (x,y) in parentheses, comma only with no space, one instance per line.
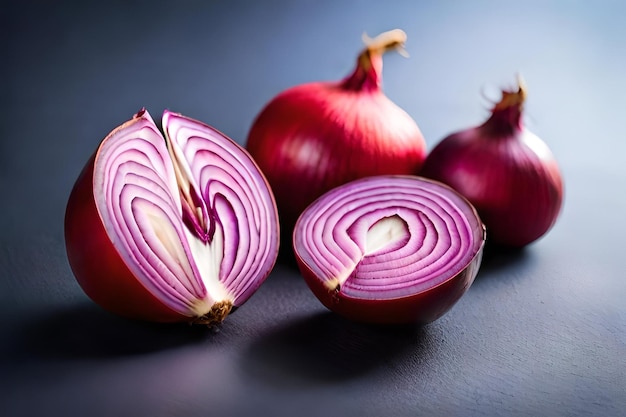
(389,249)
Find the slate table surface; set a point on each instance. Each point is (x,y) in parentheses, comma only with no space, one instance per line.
(541,332)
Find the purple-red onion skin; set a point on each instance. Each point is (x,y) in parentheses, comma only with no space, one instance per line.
(421,308)
(96,263)
(304,142)
(506,172)
(316,136)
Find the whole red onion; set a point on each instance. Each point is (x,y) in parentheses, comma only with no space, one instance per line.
(314,137)
(508,173)
(181,227)
(389,249)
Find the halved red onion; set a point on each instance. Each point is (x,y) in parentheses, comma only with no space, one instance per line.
(181,227)
(389,249)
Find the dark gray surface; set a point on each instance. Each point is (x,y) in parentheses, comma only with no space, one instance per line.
(541,332)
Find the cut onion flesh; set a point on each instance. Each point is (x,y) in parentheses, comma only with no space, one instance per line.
(389,249)
(189,215)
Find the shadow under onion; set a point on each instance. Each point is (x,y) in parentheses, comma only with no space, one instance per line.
(500,258)
(86,331)
(328,348)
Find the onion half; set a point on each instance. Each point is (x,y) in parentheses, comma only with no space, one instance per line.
(181,227)
(389,249)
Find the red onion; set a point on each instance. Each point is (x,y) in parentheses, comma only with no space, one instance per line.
(505,171)
(389,249)
(314,137)
(176,228)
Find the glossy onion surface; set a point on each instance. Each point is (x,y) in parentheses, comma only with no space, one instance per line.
(313,137)
(507,172)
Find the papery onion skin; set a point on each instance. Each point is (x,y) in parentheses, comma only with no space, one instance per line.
(106,277)
(416,307)
(508,173)
(313,137)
